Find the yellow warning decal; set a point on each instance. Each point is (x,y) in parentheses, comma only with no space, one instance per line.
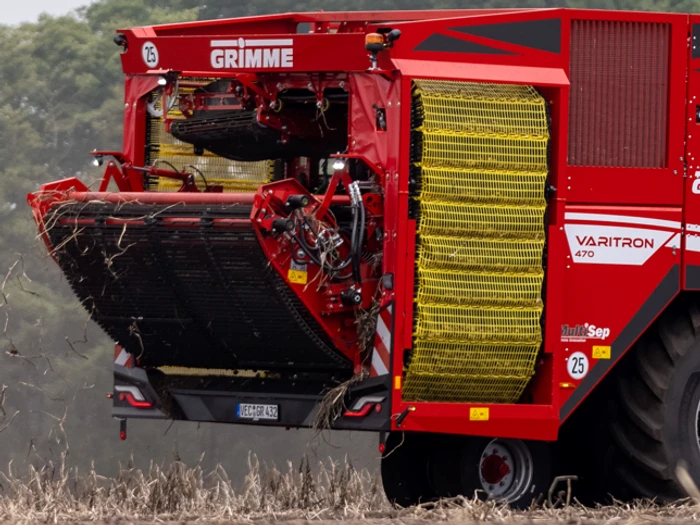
(297,277)
(601,352)
(479,414)
(297,273)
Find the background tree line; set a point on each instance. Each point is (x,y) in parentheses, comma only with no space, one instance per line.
(60,97)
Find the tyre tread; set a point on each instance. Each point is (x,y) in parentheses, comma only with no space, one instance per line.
(641,406)
(643,468)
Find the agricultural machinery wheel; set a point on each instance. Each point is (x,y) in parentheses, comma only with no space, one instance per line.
(509,470)
(444,464)
(404,469)
(655,421)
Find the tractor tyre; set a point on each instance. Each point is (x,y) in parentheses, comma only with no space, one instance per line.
(444,465)
(654,421)
(404,469)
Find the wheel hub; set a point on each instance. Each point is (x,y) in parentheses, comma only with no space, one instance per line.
(495,468)
(505,469)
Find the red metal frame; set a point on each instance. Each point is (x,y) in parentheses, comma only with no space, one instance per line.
(691,209)
(321,298)
(659,206)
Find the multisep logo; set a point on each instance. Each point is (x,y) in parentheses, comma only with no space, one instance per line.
(582,332)
(246,53)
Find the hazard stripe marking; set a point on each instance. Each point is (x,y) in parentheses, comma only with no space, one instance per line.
(378,364)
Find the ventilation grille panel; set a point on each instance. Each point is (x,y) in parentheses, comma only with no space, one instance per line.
(619,94)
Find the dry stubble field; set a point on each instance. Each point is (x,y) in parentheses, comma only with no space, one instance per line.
(297,495)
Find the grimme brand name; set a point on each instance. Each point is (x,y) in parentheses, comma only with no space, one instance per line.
(245,53)
(615,242)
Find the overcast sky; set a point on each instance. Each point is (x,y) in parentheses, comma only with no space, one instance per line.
(16,11)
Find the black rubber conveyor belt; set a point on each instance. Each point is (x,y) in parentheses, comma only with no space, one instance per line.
(186,293)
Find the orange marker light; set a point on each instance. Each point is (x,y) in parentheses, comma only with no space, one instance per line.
(374,42)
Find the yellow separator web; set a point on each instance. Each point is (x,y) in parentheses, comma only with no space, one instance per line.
(480,162)
(234,176)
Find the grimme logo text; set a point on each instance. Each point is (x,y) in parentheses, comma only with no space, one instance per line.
(252,53)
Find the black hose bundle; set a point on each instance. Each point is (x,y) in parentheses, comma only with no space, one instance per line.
(354,258)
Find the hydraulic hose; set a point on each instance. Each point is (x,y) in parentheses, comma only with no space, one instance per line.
(354,258)
(357,230)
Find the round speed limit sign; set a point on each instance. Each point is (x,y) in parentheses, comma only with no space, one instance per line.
(149,53)
(577,365)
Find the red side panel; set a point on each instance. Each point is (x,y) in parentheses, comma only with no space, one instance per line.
(691,254)
(626,122)
(621,268)
(617,246)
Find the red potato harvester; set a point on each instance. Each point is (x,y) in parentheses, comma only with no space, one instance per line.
(478,229)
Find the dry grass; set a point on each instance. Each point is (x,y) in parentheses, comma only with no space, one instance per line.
(57,493)
(333,492)
(332,404)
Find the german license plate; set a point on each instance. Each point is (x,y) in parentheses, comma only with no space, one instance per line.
(257,412)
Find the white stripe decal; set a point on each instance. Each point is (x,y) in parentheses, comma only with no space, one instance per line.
(269,43)
(252,43)
(122,358)
(383,333)
(621,219)
(692,243)
(138,396)
(359,405)
(613,244)
(675,241)
(224,43)
(378,364)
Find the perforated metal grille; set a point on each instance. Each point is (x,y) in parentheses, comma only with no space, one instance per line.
(488,288)
(483,186)
(440,217)
(446,322)
(478,253)
(619,94)
(234,176)
(496,368)
(480,153)
(485,150)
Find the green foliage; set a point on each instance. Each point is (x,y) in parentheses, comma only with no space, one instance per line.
(228,9)
(61,88)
